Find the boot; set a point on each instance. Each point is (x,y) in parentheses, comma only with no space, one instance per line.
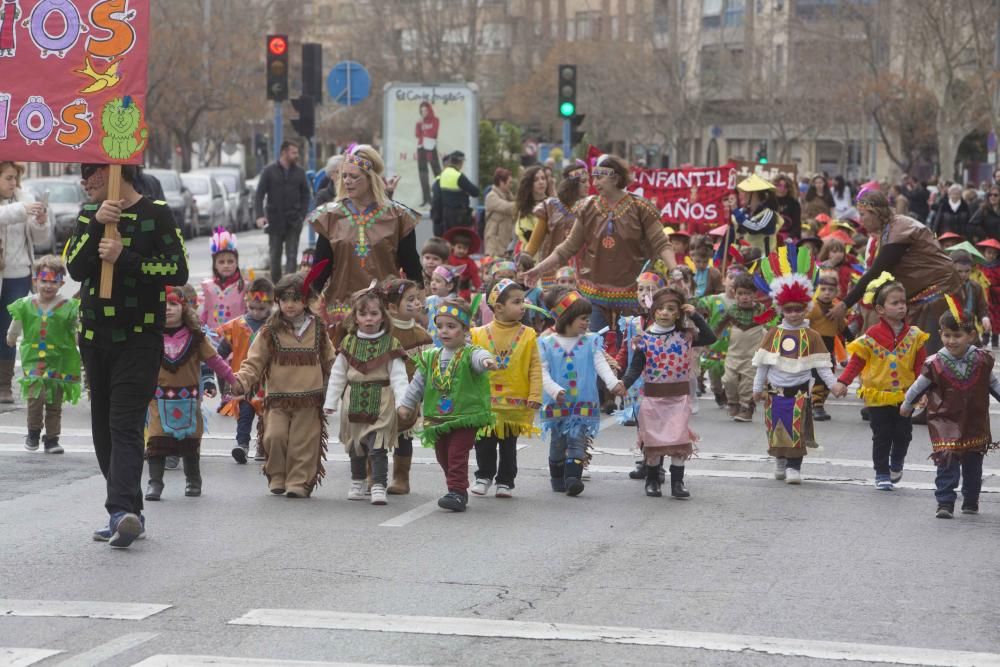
(573,470)
(820,414)
(52,445)
(400,475)
(677,489)
(155,486)
(6,378)
(31,441)
(640,470)
(556,476)
(653,481)
(192,475)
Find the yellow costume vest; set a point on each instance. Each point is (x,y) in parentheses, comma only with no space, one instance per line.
(517,380)
(887,373)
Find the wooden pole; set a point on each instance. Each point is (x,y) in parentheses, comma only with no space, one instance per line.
(111,231)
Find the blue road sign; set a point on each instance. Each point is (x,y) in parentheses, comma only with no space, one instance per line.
(348,83)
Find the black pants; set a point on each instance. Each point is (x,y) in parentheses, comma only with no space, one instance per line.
(287,241)
(891,435)
(424,157)
(404,446)
(486,459)
(244,423)
(379,459)
(122,380)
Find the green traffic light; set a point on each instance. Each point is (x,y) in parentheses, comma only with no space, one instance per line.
(763,160)
(567,109)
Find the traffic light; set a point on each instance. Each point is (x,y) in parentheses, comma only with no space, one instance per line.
(277,67)
(312,72)
(567,91)
(576,134)
(762,153)
(305,124)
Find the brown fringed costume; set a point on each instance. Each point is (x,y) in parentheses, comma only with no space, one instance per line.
(293,367)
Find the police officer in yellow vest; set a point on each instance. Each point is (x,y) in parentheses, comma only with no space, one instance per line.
(450,196)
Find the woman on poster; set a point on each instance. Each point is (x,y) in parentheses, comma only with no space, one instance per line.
(427,133)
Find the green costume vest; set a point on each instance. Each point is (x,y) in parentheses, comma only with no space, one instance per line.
(457,398)
(49,356)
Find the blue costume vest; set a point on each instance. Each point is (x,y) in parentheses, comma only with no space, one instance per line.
(580,412)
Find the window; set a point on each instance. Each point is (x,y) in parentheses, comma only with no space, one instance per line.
(588,25)
(711,13)
(570,30)
(814,9)
(708,68)
(734,13)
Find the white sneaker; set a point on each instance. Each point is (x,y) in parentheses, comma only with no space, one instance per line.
(780,466)
(357,490)
(895,476)
(481,486)
(794,476)
(503,491)
(586,473)
(378,494)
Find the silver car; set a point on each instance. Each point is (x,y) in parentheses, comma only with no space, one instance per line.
(209,198)
(65,196)
(179,198)
(238,194)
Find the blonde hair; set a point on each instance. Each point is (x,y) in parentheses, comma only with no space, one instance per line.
(374,175)
(50,262)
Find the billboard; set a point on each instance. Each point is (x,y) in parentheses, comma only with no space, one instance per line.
(422,123)
(75,89)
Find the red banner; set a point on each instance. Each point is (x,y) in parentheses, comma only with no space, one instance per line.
(688,199)
(75,78)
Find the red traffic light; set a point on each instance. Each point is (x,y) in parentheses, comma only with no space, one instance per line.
(277,45)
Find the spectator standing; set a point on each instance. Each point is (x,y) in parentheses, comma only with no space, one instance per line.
(499,230)
(286,189)
(788,206)
(450,196)
(986,219)
(952,213)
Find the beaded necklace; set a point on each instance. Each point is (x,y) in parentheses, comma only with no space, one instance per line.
(361,222)
(443,380)
(569,357)
(503,357)
(625,203)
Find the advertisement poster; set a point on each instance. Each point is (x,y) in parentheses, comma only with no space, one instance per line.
(75,82)
(688,199)
(423,123)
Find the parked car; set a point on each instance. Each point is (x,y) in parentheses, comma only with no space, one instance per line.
(238,195)
(65,197)
(179,198)
(210,202)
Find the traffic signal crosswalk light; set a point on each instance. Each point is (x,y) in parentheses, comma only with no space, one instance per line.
(277,68)
(576,134)
(305,124)
(567,91)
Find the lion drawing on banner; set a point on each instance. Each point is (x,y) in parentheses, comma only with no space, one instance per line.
(120,119)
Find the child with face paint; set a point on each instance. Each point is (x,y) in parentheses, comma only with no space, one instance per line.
(50,361)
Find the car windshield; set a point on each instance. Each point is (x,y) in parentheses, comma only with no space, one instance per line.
(59,192)
(167,179)
(228,179)
(197,186)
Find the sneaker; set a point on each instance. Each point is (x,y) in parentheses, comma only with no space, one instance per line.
(574,487)
(240,453)
(481,486)
(103,534)
(793,476)
(865,414)
(969,507)
(52,445)
(895,475)
(503,491)
(780,468)
(378,494)
(31,441)
(945,511)
(734,410)
(883,484)
(820,414)
(455,502)
(125,528)
(357,490)
(172,462)
(745,414)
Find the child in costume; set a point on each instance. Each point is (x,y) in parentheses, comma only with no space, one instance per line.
(370,368)
(572,360)
(888,358)
(443,285)
(235,338)
(957,381)
(174,424)
(664,361)
(566,278)
(991,270)
(515,387)
(404,304)
(501,268)
(434,253)
(833,257)
(786,360)
(713,308)
(291,356)
(452,384)
(707,279)
(50,360)
(746,322)
(223,297)
(827,287)
(971,295)
(464,242)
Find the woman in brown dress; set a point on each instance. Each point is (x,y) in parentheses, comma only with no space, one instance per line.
(363,233)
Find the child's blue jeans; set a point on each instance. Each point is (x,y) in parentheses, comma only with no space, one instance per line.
(969,468)
(563,447)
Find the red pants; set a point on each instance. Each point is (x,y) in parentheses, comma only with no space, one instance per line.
(452,451)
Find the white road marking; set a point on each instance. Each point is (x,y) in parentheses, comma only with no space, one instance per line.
(707,641)
(22,657)
(122,611)
(418,512)
(116,646)
(225,661)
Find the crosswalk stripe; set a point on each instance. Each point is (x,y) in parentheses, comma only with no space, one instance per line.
(405,518)
(683,639)
(166,660)
(122,611)
(22,657)
(107,650)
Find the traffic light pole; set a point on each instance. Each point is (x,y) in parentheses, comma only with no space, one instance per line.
(567,139)
(278,124)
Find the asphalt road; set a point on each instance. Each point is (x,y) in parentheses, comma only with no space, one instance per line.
(749,571)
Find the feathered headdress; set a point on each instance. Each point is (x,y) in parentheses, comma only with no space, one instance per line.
(222,241)
(961,317)
(786,275)
(874,286)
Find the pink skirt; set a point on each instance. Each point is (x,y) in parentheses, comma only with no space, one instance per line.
(664,426)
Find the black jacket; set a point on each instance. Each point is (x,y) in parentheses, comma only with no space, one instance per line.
(986,223)
(287,193)
(918,197)
(946,220)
